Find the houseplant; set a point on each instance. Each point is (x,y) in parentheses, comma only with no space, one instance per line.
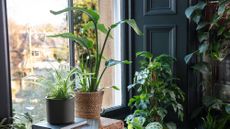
(212,114)
(88,94)
(212,27)
(212,20)
(60,98)
(157,92)
(19,121)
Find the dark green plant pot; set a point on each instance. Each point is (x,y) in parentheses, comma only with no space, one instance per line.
(60,111)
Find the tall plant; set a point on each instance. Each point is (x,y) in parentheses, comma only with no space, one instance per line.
(213,37)
(80,21)
(90,78)
(157,91)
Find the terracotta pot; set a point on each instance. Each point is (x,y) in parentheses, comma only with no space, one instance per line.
(60,111)
(88,105)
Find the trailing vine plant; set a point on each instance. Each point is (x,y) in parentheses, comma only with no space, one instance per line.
(213,32)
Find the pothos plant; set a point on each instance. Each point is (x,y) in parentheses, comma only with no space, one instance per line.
(157,92)
(213,37)
(90,66)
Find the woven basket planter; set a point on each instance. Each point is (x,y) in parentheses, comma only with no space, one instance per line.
(88,105)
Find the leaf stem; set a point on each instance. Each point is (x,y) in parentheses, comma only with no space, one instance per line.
(98,82)
(100,57)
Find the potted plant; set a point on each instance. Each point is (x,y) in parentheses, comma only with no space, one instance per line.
(212,20)
(88,93)
(157,93)
(60,98)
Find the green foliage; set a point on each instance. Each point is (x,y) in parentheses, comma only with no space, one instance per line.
(213,33)
(138,123)
(61,83)
(214,113)
(157,91)
(90,63)
(19,121)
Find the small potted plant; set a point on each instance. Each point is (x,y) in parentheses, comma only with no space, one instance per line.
(60,98)
(88,94)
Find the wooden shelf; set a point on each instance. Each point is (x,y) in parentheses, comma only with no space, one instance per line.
(103,123)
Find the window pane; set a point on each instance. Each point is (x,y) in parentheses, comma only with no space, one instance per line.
(32,53)
(109,13)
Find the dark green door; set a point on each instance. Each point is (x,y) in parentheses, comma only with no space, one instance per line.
(165,30)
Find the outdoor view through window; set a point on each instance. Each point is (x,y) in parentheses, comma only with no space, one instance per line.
(34,55)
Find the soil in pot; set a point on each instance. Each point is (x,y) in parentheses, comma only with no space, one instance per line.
(60,111)
(88,105)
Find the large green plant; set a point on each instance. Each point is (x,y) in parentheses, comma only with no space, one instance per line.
(213,37)
(212,31)
(90,83)
(157,92)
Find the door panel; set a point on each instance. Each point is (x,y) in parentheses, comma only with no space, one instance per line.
(157,7)
(165,32)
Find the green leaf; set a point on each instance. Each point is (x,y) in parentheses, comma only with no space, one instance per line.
(154,125)
(202,25)
(227,108)
(131,86)
(221,30)
(171,125)
(145,54)
(221,9)
(190,10)
(130,22)
(212,103)
(100,27)
(162,112)
(203,36)
(188,57)
(115,87)
(201,67)
(94,16)
(84,42)
(196,18)
(113,62)
(203,48)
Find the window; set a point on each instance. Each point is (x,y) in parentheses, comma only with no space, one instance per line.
(33,54)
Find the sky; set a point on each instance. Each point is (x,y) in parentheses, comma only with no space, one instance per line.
(35,12)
